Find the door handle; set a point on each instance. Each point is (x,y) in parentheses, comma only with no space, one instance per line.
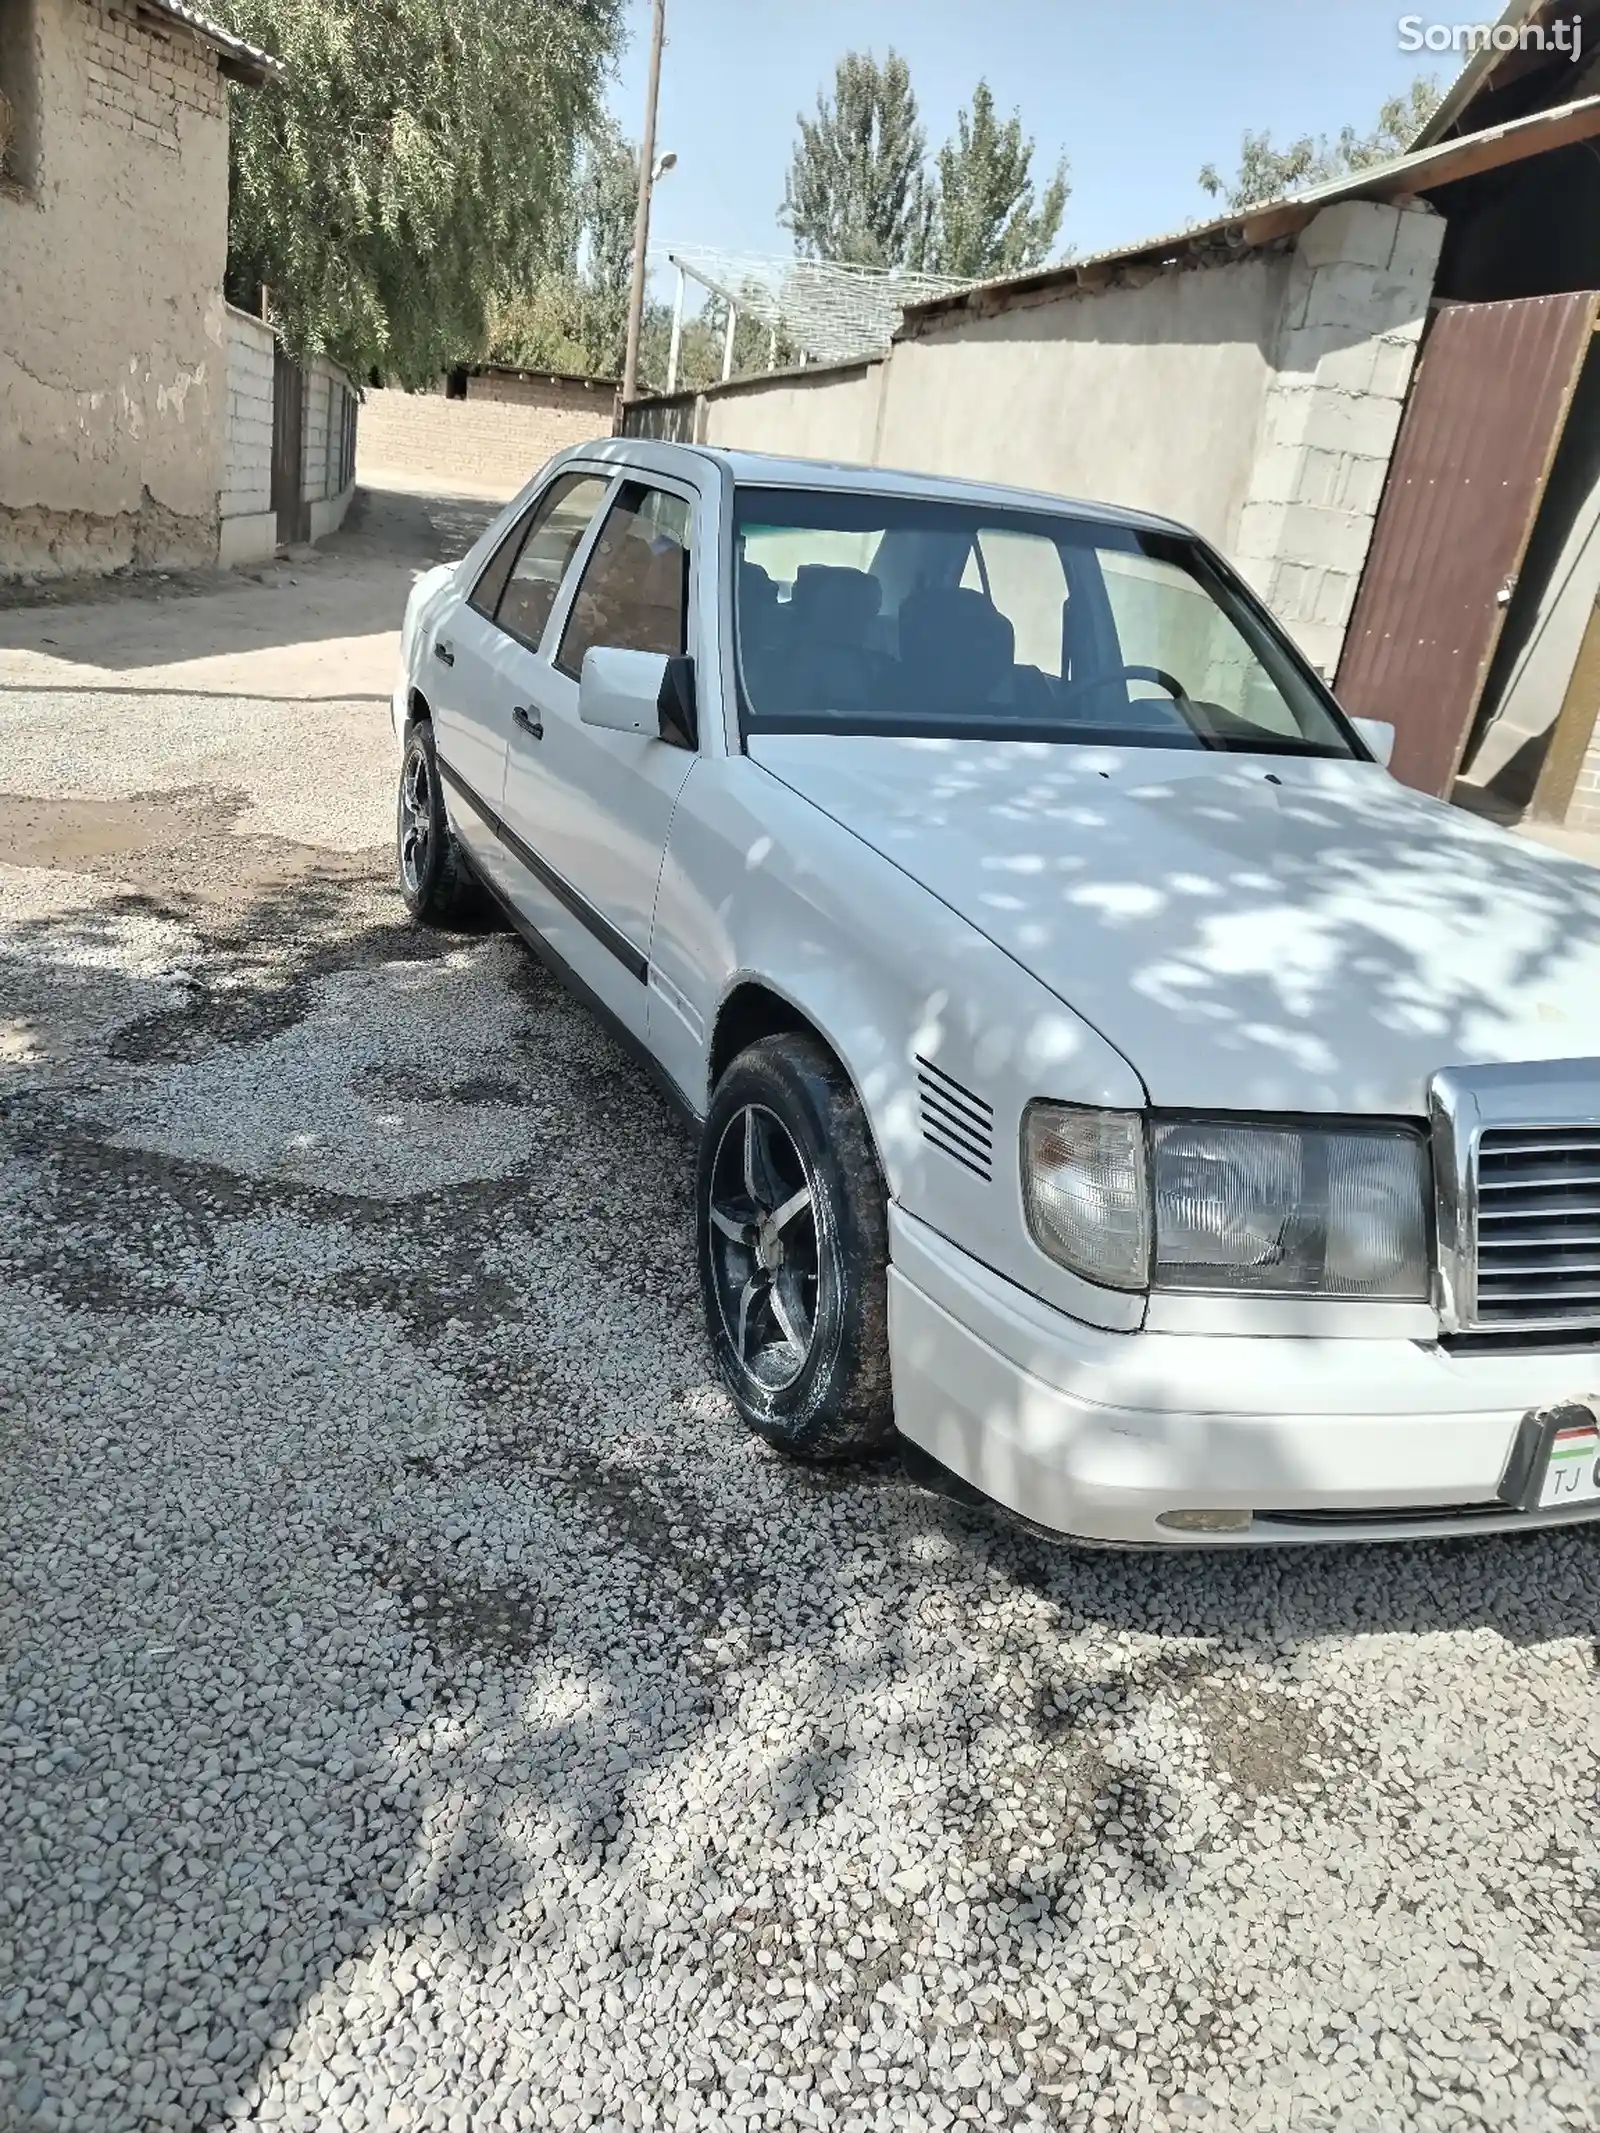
(442,651)
(530,722)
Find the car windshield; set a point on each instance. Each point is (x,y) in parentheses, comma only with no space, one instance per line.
(862,613)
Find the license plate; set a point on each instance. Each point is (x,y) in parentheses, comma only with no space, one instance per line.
(1556,1458)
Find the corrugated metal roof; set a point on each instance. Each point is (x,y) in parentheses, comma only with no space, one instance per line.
(1475,74)
(1418,171)
(238,60)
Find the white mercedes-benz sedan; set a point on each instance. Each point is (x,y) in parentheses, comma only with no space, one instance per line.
(1107,1077)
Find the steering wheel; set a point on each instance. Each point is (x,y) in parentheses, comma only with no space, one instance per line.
(1114,675)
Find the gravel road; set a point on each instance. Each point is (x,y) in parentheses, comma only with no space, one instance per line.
(424,1707)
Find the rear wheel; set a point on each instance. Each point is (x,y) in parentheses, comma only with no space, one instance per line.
(794,1250)
(433,874)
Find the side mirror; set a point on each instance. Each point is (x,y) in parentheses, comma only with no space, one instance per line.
(648,693)
(1378,735)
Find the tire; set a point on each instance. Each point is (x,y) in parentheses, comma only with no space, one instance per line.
(793,1245)
(430,867)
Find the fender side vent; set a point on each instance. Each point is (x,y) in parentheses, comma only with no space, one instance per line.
(955,1120)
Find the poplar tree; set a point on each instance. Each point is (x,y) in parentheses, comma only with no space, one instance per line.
(857,191)
(987,220)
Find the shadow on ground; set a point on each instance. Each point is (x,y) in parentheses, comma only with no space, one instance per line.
(422,1698)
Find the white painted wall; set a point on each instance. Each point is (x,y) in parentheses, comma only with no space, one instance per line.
(832,417)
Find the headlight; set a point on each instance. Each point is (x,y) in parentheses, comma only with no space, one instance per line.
(1291,1210)
(1278,1210)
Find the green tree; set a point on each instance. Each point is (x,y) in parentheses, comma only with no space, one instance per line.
(1267,172)
(417,156)
(857,190)
(986,220)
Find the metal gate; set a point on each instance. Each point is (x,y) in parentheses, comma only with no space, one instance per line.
(1480,432)
(288,411)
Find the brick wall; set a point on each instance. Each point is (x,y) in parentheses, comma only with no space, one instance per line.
(475,445)
(593,398)
(1584,811)
(142,81)
(113,336)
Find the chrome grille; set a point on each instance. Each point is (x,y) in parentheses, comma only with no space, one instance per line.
(955,1119)
(1538,1192)
(1516,1166)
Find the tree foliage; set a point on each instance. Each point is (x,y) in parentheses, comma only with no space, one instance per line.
(1266,172)
(857,187)
(417,157)
(985,219)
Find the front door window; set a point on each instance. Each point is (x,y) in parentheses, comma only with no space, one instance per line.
(634,594)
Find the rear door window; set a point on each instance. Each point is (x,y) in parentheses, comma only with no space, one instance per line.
(484,597)
(555,533)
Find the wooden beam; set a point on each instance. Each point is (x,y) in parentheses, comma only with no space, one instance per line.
(1570,736)
(1479,152)
(1275,222)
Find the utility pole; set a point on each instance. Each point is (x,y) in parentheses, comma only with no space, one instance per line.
(641,220)
(676,347)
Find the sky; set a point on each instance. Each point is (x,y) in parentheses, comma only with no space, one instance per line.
(1137,93)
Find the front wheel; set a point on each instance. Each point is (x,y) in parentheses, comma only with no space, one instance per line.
(793,1238)
(433,876)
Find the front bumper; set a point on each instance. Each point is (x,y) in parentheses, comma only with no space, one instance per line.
(1096,1434)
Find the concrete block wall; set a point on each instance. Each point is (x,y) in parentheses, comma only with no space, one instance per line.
(248,526)
(1148,392)
(1356,302)
(141,80)
(314,434)
(328,392)
(477,446)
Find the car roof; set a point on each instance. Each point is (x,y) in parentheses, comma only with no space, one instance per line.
(772,470)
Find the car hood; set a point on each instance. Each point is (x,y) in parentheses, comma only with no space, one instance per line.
(1250,932)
